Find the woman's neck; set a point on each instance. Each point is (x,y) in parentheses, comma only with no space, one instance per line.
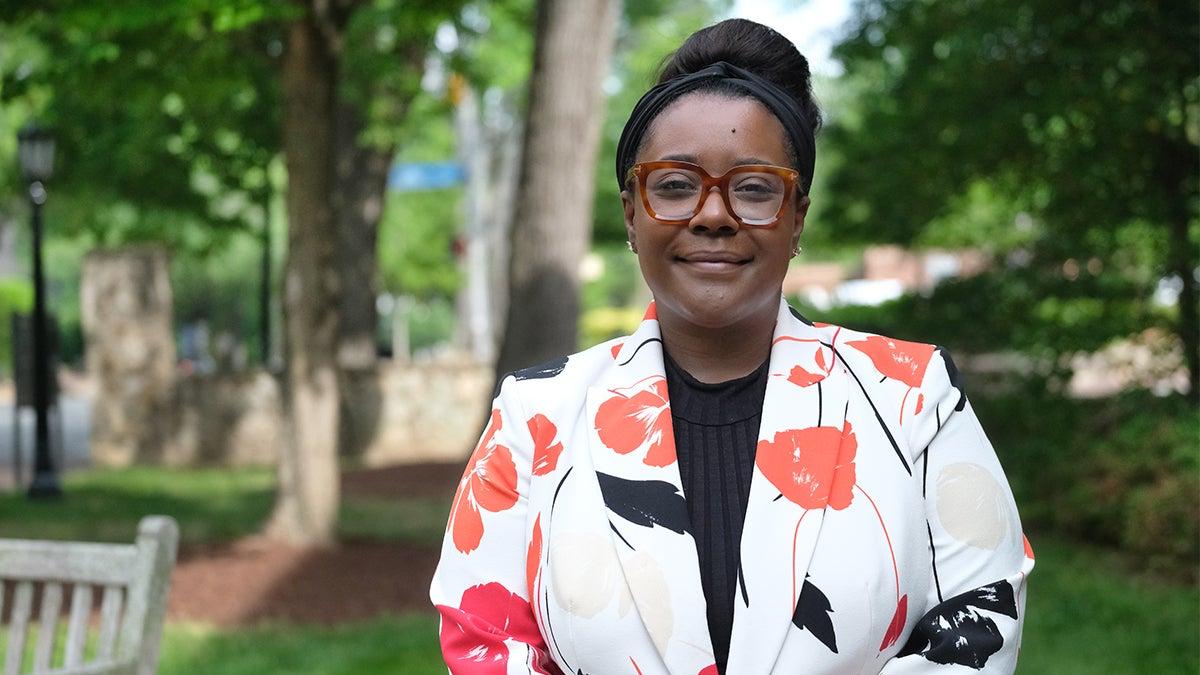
(718,354)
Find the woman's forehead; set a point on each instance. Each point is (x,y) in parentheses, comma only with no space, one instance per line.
(716,128)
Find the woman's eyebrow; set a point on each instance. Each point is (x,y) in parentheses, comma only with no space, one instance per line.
(695,159)
(692,159)
(751,160)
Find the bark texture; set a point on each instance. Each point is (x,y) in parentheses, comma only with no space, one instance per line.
(361,182)
(552,224)
(307,501)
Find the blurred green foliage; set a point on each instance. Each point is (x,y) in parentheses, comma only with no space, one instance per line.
(16,297)
(1122,471)
(1064,131)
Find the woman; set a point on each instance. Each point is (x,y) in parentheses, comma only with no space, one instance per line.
(732,488)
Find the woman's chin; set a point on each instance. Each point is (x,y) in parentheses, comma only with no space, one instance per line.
(717,311)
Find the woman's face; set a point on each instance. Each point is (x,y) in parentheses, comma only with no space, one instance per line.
(714,273)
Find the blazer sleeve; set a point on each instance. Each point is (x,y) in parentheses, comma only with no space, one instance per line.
(980,558)
(480,585)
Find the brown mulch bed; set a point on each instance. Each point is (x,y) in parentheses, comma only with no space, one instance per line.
(410,481)
(255,580)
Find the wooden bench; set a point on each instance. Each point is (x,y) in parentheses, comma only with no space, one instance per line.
(132,581)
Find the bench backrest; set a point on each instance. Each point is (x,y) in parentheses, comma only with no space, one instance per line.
(130,580)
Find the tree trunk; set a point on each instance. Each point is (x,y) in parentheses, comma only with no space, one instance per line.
(362,173)
(1177,172)
(307,502)
(1183,264)
(552,226)
(361,183)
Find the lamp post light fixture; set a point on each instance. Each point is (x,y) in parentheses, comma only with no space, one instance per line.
(35,152)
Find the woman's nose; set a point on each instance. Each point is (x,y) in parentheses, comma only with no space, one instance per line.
(713,215)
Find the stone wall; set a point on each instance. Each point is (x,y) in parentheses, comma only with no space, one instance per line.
(125,302)
(404,413)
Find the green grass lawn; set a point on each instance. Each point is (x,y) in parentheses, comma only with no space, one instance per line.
(1085,613)
(211,505)
(407,644)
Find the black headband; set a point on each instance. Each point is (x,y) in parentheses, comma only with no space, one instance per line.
(779,102)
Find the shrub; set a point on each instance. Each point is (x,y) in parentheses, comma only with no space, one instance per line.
(1121,471)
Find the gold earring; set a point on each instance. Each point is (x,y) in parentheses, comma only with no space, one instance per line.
(630,245)
(796,251)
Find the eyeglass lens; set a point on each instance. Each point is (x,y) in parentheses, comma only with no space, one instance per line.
(675,194)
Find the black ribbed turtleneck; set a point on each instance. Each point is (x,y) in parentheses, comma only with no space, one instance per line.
(716,432)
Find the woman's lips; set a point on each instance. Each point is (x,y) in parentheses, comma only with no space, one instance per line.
(713,262)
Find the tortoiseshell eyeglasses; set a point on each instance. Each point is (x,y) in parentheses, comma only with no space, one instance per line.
(674,192)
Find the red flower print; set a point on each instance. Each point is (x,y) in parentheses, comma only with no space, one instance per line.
(1028,548)
(545,450)
(473,634)
(709,670)
(616,349)
(490,482)
(920,403)
(821,360)
(802,377)
(638,416)
(896,627)
(812,467)
(651,312)
(533,557)
(898,359)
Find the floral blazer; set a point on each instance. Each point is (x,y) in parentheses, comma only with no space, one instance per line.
(880,535)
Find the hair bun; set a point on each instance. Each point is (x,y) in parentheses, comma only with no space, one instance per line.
(754,47)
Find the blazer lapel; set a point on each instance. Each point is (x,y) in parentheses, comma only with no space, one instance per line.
(632,446)
(803,465)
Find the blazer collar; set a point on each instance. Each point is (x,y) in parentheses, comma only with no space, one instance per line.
(632,447)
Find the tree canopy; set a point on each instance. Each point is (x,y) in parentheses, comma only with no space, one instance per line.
(1066,131)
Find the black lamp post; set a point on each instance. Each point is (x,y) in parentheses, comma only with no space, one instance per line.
(35,150)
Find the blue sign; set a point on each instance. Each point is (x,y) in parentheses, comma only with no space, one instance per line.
(412,176)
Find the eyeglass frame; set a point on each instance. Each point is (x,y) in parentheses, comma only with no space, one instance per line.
(641,171)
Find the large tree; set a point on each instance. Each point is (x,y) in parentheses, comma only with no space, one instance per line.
(175,109)
(555,193)
(349,71)
(1082,116)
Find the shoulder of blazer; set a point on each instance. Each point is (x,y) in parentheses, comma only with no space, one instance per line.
(581,368)
(919,377)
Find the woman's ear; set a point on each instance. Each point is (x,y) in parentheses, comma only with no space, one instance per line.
(628,208)
(801,213)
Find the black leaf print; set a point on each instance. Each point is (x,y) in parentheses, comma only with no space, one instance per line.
(813,614)
(879,418)
(955,379)
(645,502)
(798,315)
(538,372)
(955,632)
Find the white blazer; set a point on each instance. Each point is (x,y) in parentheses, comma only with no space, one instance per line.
(880,534)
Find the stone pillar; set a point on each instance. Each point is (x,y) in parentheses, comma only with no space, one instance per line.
(128,333)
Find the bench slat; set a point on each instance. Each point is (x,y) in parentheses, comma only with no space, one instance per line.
(101,564)
(81,611)
(102,668)
(110,616)
(52,596)
(18,625)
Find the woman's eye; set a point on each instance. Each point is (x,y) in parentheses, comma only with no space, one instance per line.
(755,186)
(755,189)
(675,184)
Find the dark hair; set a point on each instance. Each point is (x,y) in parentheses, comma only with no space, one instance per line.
(754,47)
